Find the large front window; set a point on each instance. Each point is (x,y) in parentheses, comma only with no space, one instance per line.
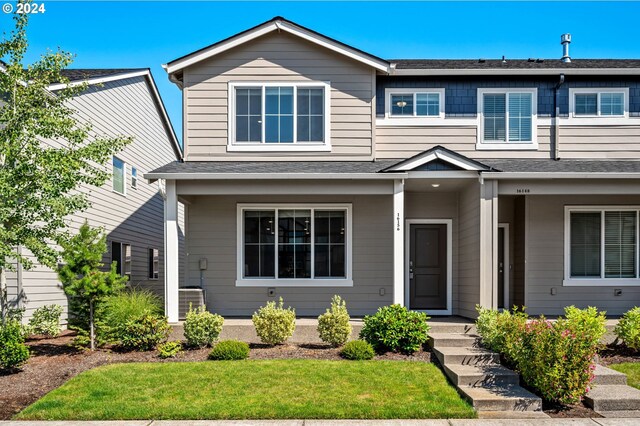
(292,243)
(279,114)
(602,244)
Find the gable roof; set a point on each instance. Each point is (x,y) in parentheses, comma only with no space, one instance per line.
(277,23)
(442,158)
(93,76)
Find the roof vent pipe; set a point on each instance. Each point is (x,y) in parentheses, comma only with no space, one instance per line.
(565,40)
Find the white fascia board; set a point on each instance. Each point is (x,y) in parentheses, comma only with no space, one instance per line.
(274,176)
(495,71)
(98,80)
(179,64)
(560,175)
(417,162)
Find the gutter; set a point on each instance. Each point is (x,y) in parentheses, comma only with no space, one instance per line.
(518,71)
(274,176)
(559,175)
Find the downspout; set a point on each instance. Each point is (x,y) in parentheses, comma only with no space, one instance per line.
(556,119)
(19,293)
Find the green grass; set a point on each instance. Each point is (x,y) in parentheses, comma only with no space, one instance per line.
(274,389)
(632,370)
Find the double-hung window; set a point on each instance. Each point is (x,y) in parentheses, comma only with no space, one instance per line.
(294,245)
(601,246)
(594,102)
(279,116)
(119,172)
(416,103)
(121,254)
(507,118)
(153,264)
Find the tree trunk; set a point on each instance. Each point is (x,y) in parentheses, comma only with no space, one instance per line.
(91,329)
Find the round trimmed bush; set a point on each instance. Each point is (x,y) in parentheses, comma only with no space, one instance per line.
(229,350)
(628,329)
(333,326)
(357,350)
(274,324)
(201,327)
(395,328)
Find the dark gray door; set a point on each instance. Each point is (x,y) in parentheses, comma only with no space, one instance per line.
(502,269)
(428,267)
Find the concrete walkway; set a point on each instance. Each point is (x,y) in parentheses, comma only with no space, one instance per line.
(454,422)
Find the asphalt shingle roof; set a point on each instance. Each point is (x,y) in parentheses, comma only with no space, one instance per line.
(266,167)
(74,74)
(564,166)
(513,63)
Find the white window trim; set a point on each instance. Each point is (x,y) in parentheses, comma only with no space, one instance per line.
(597,119)
(124,176)
(413,119)
(325,146)
(597,282)
(507,145)
(295,282)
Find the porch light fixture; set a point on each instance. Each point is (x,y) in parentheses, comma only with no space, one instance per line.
(435,185)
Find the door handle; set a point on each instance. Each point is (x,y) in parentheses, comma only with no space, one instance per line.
(410,269)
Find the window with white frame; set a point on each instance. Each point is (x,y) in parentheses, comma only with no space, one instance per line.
(601,245)
(119,168)
(153,263)
(294,243)
(279,114)
(414,103)
(121,255)
(594,102)
(134,178)
(507,117)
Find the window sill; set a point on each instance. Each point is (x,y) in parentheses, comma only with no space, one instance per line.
(507,146)
(279,147)
(425,121)
(294,283)
(122,194)
(602,282)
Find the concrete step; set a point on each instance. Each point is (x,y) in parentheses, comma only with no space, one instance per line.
(466,356)
(607,376)
(452,327)
(441,340)
(501,398)
(621,414)
(613,398)
(480,375)
(500,416)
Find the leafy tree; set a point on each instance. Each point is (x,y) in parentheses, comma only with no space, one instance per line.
(82,279)
(38,182)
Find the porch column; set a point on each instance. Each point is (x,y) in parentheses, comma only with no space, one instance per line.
(171,252)
(398,242)
(489,244)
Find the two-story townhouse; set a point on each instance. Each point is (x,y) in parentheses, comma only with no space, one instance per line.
(312,168)
(117,102)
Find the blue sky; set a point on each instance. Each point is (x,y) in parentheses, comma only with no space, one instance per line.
(121,34)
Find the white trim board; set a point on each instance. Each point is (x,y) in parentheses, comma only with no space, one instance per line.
(449,223)
(266,28)
(427,157)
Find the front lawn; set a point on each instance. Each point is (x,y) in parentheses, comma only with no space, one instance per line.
(274,389)
(632,370)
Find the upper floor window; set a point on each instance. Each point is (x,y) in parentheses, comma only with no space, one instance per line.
(121,255)
(118,175)
(507,118)
(605,102)
(414,103)
(279,116)
(134,178)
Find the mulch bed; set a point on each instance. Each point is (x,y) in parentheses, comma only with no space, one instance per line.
(617,354)
(54,361)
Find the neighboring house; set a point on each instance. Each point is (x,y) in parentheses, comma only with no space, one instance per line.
(313,168)
(117,102)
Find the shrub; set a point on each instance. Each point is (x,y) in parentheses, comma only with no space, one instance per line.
(46,320)
(333,326)
(273,323)
(122,313)
(357,350)
(229,350)
(395,328)
(13,351)
(143,333)
(169,349)
(557,358)
(202,328)
(502,331)
(628,329)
